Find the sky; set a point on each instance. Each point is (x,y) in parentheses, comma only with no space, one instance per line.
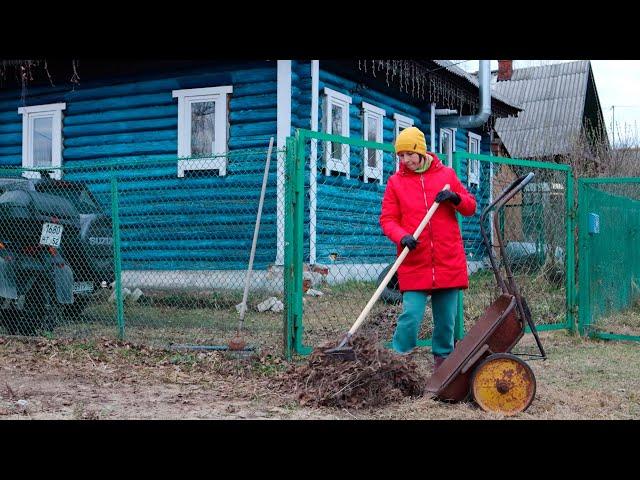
(618,85)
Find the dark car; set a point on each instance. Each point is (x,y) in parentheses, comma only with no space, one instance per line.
(91,253)
(55,251)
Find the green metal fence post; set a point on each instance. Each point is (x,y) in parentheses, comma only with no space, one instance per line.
(116,254)
(584,309)
(288,269)
(570,250)
(298,242)
(459,326)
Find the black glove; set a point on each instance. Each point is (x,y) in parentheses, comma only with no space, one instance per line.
(409,241)
(448,196)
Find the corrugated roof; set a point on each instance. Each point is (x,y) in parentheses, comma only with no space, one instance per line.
(553,98)
(451,67)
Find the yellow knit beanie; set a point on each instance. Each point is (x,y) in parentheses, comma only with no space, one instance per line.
(411,140)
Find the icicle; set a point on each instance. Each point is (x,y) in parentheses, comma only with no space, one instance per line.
(75,79)
(413,73)
(387,62)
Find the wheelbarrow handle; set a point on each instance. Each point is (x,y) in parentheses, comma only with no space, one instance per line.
(515,186)
(393,269)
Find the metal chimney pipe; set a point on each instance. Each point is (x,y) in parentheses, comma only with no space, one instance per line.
(474,121)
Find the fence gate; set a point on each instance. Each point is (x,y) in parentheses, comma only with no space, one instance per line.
(609,258)
(336,253)
(334,248)
(536,226)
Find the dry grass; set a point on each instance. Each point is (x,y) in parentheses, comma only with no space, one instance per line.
(328,316)
(210,318)
(582,379)
(622,323)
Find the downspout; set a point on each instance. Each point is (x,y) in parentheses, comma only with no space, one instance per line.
(479,119)
(433,127)
(313,160)
(283,125)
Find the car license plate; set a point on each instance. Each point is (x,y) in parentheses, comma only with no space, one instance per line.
(51,234)
(82,287)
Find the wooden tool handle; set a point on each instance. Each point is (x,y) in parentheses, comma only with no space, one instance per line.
(247,280)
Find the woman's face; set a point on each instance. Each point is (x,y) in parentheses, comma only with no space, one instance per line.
(410,159)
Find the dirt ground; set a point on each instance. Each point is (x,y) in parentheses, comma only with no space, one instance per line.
(104,379)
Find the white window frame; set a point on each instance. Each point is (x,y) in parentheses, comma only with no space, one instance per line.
(371,113)
(29,115)
(195,95)
(341,164)
(473,165)
(452,132)
(402,122)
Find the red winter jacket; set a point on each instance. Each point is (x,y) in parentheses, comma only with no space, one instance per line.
(439,259)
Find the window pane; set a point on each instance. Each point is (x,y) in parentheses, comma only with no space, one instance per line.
(371,134)
(42,143)
(371,158)
(202,128)
(446,142)
(336,129)
(475,146)
(372,130)
(336,119)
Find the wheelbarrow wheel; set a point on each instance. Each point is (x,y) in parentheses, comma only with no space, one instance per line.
(503,383)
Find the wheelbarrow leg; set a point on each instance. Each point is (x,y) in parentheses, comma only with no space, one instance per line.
(532,326)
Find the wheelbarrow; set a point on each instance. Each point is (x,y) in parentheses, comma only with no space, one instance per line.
(481,364)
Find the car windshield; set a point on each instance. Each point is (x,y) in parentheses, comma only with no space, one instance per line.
(13,184)
(78,195)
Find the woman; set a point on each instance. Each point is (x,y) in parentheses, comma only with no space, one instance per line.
(436,265)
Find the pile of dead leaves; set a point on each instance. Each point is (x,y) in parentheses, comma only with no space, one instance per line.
(377,377)
(383,322)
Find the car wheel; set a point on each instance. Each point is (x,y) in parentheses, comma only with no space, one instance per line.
(9,320)
(40,311)
(74,310)
(391,294)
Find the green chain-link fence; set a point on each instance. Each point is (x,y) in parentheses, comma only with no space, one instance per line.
(609,258)
(340,254)
(338,250)
(157,250)
(154,251)
(536,227)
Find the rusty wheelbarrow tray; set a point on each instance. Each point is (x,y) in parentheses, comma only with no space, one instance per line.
(481,364)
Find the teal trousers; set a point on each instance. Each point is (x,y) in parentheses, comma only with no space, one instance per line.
(444,304)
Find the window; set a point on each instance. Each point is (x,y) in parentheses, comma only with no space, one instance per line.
(448,144)
(42,138)
(372,125)
(473,165)
(336,122)
(402,122)
(202,129)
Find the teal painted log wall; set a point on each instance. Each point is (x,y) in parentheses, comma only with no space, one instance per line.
(167,222)
(136,119)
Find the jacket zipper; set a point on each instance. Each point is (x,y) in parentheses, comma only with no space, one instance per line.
(433,268)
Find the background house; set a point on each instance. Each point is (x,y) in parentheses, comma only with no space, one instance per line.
(561,122)
(560,107)
(190,138)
